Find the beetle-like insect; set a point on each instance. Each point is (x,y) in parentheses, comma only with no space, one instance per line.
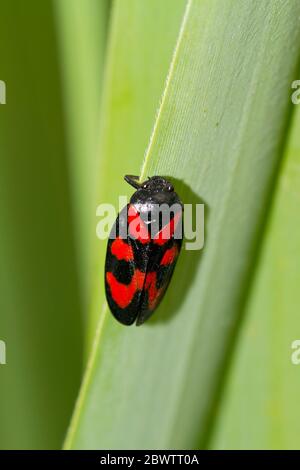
(142,250)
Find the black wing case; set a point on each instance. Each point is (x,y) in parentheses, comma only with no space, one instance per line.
(161,263)
(125,271)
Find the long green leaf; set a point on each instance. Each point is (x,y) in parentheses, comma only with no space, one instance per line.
(40,319)
(81,26)
(260,407)
(218,134)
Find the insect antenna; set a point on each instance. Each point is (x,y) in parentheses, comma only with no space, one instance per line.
(133,181)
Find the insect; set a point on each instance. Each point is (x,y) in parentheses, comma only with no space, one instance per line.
(142,249)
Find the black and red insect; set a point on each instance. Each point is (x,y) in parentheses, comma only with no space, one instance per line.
(142,250)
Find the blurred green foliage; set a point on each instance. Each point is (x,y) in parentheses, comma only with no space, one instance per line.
(88,83)
(40,310)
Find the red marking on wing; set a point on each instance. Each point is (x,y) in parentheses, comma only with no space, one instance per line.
(153,292)
(170,256)
(137,227)
(168,230)
(121,293)
(121,250)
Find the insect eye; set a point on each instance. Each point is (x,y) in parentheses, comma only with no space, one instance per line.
(144,185)
(170,188)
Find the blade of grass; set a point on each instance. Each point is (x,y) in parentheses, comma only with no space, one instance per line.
(218,134)
(40,319)
(260,407)
(82,26)
(134,82)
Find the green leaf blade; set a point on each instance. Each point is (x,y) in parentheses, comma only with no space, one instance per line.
(40,319)
(262,372)
(218,134)
(82,36)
